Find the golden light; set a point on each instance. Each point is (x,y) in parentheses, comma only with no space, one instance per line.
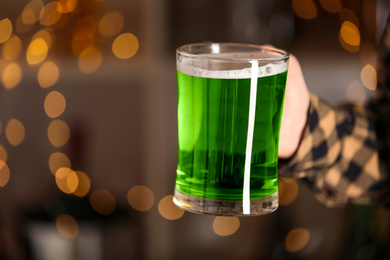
(368,76)
(15,132)
(12,48)
(37,51)
(125,46)
(297,239)
(67,226)
(348,47)
(368,53)
(90,60)
(225,226)
(58,133)
(3,154)
(48,74)
(140,198)
(103,202)
(21,27)
(31,11)
(66,180)
(331,6)
(66,6)
(54,104)
(305,9)
(356,93)
(11,76)
(5,30)
(58,160)
(347,14)
(83,38)
(46,35)
(84,184)
(4,173)
(288,191)
(350,33)
(50,14)
(168,209)
(111,24)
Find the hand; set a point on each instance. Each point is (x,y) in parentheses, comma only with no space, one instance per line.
(296,105)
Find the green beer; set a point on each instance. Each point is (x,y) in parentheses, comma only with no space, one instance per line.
(228,133)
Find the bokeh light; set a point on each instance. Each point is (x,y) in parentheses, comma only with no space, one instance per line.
(12,48)
(288,191)
(37,51)
(368,53)
(3,154)
(4,173)
(48,74)
(11,76)
(84,184)
(84,34)
(58,160)
(356,93)
(347,14)
(58,133)
(49,14)
(111,24)
(67,226)
(297,239)
(331,6)
(66,6)
(90,60)
(350,33)
(368,76)
(140,198)
(103,202)
(15,132)
(226,226)
(5,30)
(46,35)
(54,104)
(21,27)
(31,11)
(125,46)
(66,180)
(305,9)
(168,209)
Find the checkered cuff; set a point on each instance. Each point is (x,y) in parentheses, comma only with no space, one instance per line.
(337,154)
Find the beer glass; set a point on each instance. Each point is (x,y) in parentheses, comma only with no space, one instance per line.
(230,102)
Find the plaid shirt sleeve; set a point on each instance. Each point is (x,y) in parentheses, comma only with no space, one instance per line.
(345,151)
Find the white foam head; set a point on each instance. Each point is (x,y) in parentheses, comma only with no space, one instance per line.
(268,69)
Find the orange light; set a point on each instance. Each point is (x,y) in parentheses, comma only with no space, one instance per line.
(15,132)
(67,226)
(297,239)
(226,226)
(58,160)
(332,6)
(11,76)
(168,209)
(84,184)
(90,60)
(4,173)
(103,202)
(125,46)
(66,6)
(12,48)
(58,133)
(140,198)
(54,104)
(48,74)
(37,51)
(5,30)
(31,11)
(350,33)
(50,14)
(111,24)
(305,9)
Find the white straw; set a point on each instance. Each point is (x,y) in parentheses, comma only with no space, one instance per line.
(249,139)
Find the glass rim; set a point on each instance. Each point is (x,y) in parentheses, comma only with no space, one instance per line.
(216,45)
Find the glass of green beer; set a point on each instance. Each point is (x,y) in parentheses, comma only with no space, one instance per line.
(230,103)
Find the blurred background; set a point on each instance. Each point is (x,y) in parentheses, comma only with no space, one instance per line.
(88,133)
